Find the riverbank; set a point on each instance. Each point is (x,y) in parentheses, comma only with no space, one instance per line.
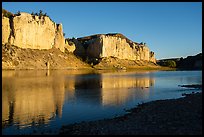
(15,58)
(113,63)
(33,59)
(181,116)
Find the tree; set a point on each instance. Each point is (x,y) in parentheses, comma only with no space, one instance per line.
(41,13)
(18,13)
(170,63)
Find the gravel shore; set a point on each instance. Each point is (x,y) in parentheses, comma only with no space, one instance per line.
(181,116)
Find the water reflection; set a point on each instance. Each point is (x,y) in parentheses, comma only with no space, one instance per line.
(120,88)
(32,98)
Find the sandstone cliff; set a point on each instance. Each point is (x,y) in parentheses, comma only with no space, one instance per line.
(31,31)
(5,29)
(116,45)
(38,31)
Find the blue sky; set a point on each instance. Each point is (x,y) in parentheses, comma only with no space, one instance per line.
(170,29)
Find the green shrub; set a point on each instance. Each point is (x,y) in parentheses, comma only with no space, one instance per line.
(7,13)
(170,63)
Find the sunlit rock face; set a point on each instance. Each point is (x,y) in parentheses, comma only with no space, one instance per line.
(118,47)
(30,31)
(59,41)
(103,45)
(5,29)
(70,47)
(152,57)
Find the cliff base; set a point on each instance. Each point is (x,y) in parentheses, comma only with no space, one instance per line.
(17,58)
(115,63)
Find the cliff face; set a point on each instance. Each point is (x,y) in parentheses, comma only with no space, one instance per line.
(111,46)
(30,31)
(5,29)
(152,57)
(40,32)
(59,41)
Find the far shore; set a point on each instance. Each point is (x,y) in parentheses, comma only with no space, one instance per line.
(133,68)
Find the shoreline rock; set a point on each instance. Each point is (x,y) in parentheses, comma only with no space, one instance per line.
(162,117)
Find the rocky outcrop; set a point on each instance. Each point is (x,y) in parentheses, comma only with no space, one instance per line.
(5,29)
(70,47)
(31,31)
(106,45)
(59,38)
(152,57)
(40,32)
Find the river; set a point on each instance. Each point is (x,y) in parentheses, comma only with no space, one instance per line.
(41,101)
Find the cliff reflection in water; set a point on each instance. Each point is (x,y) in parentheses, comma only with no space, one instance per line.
(35,98)
(31,100)
(121,89)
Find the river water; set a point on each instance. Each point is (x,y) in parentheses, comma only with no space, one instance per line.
(41,101)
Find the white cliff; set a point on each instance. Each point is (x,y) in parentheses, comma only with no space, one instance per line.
(31,31)
(100,46)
